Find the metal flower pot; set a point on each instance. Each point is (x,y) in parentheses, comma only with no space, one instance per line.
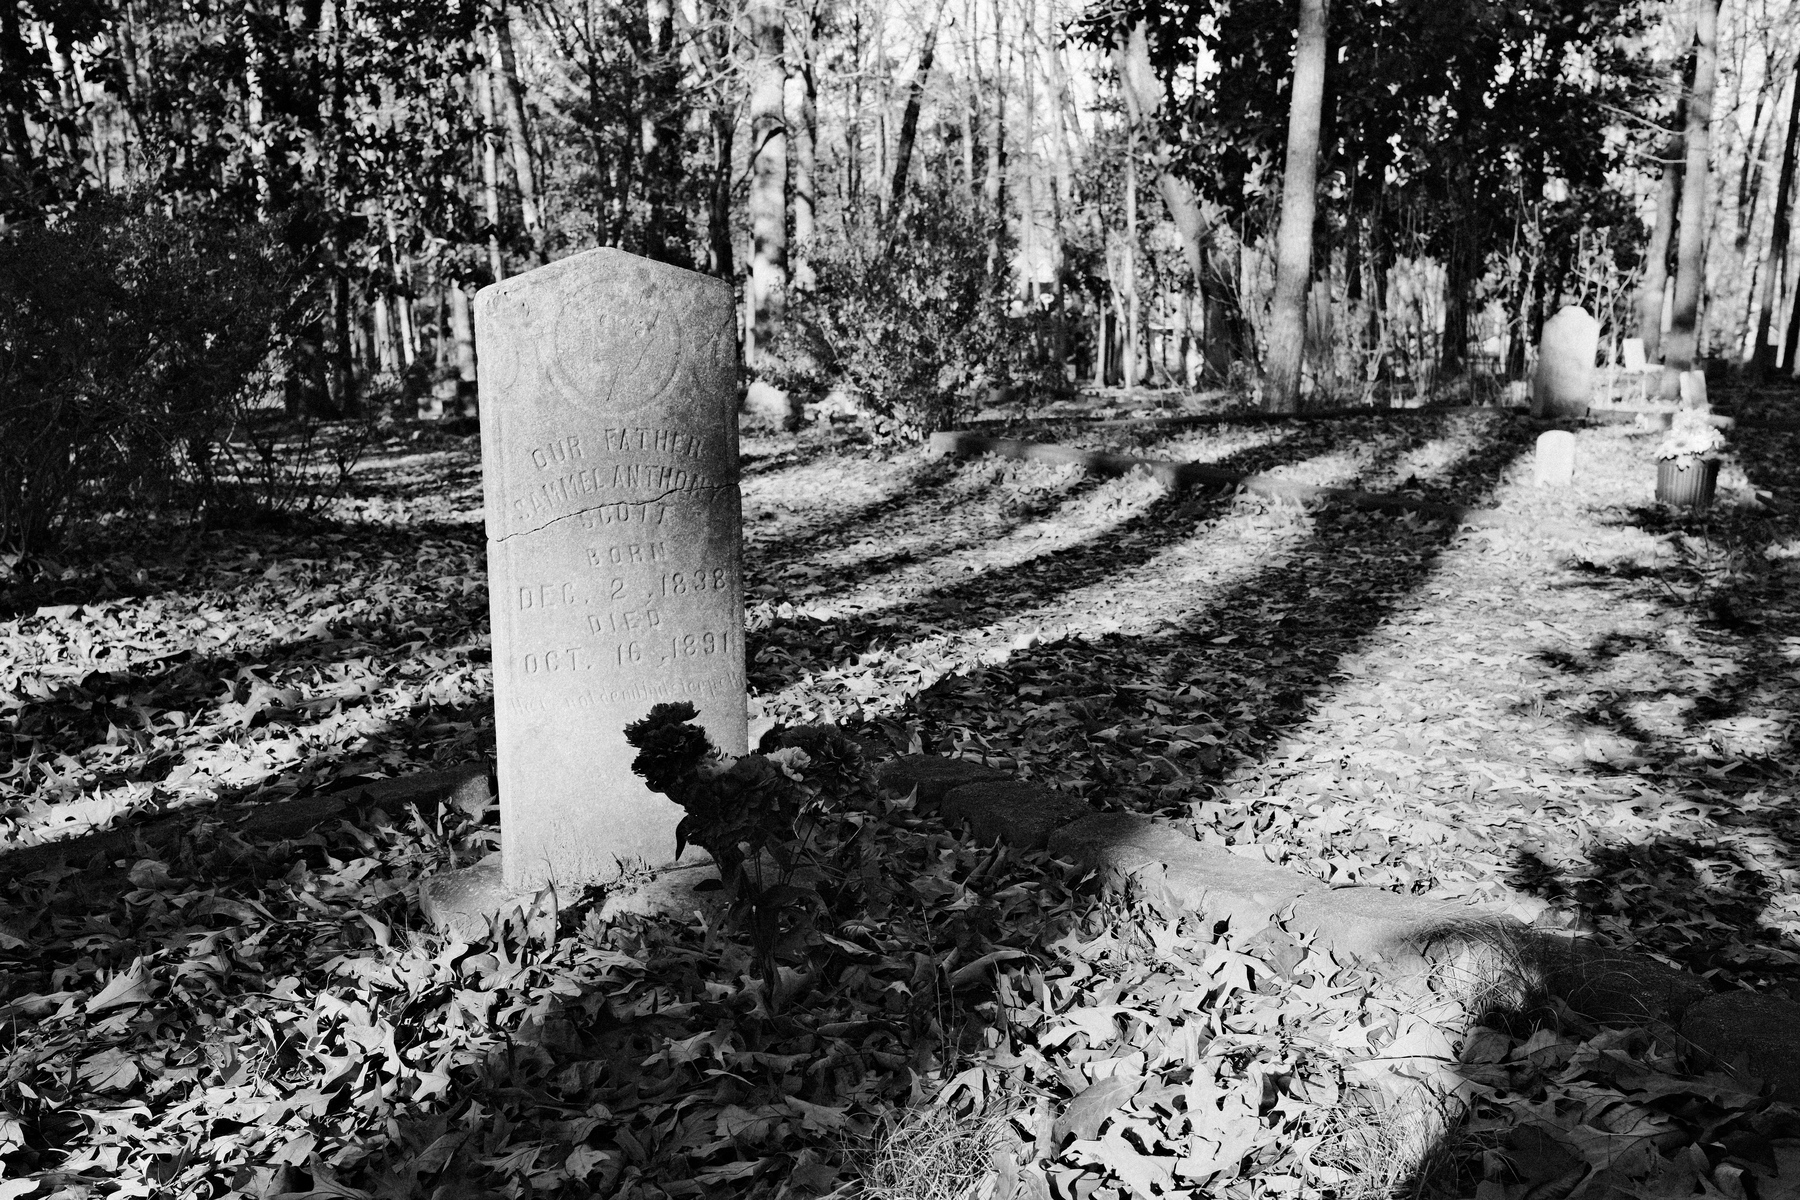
(1687,481)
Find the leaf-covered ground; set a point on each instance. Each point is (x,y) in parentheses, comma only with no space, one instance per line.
(1582,714)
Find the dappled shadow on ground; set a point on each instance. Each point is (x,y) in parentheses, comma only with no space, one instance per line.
(792,647)
(643,1037)
(1249,661)
(1707,709)
(1109,716)
(269,665)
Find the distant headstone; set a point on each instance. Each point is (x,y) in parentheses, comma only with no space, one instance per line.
(1555,458)
(765,400)
(1635,362)
(610,467)
(1693,389)
(1563,385)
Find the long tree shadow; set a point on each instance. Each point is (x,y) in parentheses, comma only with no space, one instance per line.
(1259,663)
(791,647)
(74,734)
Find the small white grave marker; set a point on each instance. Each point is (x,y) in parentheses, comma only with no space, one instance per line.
(1555,459)
(1693,389)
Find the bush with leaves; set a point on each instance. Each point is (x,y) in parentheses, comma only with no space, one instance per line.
(129,340)
(912,312)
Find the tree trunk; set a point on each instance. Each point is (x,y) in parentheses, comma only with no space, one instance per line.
(853,136)
(1790,345)
(718,199)
(442,348)
(462,327)
(802,108)
(1775,274)
(504,67)
(768,182)
(490,169)
(1028,148)
(993,187)
(722,120)
(1225,331)
(403,294)
(1662,239)
(1293,239)
(662,125)
(256,134)
(909,120)
(1061,197)
(969,97)
(1690,253)
(1128,290)
(386,353)
(1461,274)
(342,371)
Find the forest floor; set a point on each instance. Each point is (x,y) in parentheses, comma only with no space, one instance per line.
(1581,715)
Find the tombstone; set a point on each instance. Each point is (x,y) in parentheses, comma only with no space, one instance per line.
(1555,459)
(1563,385)
(609,454)
(767,402)
(1693,390)
(1635,362)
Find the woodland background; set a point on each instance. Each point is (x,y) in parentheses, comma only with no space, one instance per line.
(927,205)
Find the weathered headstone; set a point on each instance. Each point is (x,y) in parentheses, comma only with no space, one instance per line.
(1555,458)
(1635,362)
(610,467)
(1563,385)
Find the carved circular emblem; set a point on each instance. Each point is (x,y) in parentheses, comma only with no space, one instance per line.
(614,346)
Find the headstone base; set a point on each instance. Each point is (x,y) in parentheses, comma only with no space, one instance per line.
(463,902)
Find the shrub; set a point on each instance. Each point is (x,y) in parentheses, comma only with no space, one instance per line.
(128,342)
(908,313)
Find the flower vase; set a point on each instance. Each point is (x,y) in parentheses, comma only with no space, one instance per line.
(1687,480)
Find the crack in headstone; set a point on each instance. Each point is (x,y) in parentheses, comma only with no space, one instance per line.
(656,499)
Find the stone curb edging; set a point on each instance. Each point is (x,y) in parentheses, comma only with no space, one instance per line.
(1179,475)
(1398,935)
(1249,417)
(466,787)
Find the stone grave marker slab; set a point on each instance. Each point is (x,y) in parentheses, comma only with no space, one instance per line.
(610,470)
(1693,390)
(1563,384)
(1555,466)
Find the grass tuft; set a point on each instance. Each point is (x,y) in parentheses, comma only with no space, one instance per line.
(934,1154)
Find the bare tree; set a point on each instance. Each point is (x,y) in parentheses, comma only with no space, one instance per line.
(1690,251)
(1293,238)
(1662,238)
(768,179)
(909,120)
(803,116)
(1774,276)
(503,66)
